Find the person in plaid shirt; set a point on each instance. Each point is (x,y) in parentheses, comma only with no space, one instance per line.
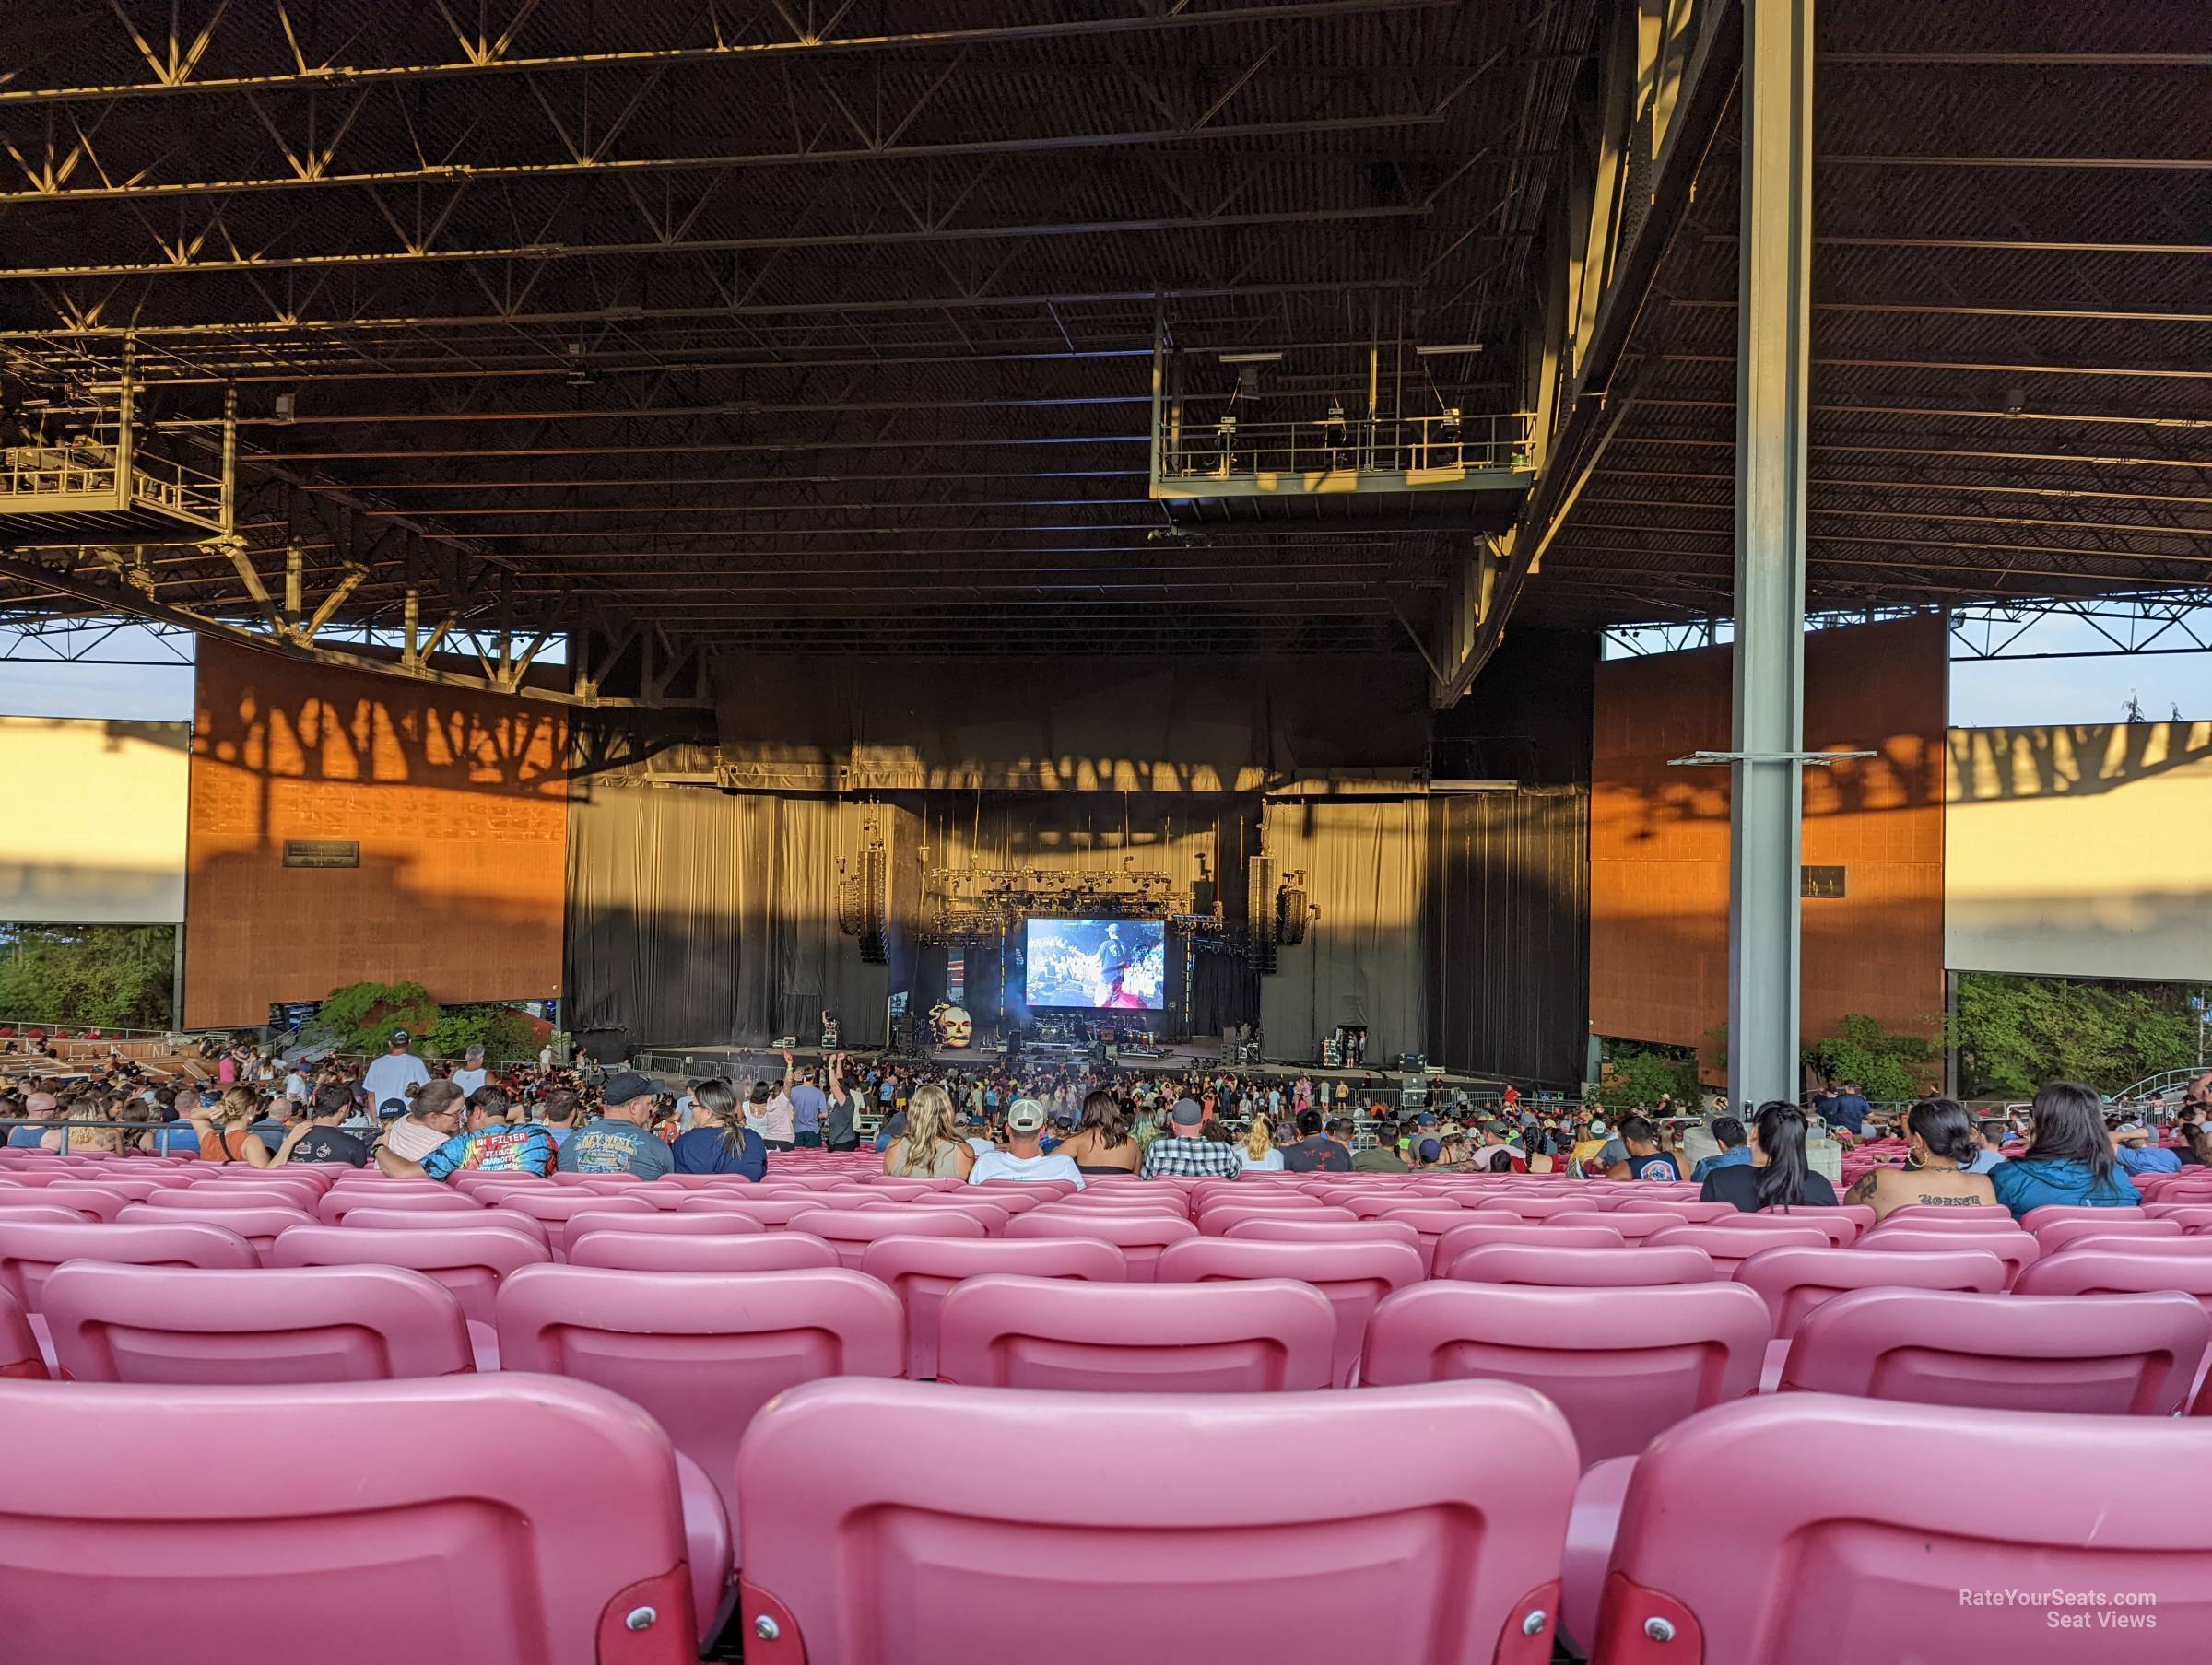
(1181,1153)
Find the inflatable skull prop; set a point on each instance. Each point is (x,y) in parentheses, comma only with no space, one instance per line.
(960,1029)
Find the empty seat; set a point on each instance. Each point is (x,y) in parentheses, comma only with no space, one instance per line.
(962,1530)
(2054,1234)
(470,1264)
(1141,1237)
(1505,1229)
(1354,1277)
(1622,1364)
(2016,1249)
(850,1230)
(555,1209)
(230,1196)
(397,1218)
(1530,1207)
(334,1205)
(700,1352)
(1842,1551)
(259,1226)
(2035,1219)
(1634,1227)
(480,1520)
(728,1251)
(2091,1267)
(89,1202)
(1692,1210)
(31,1249)
(116,1323)
(1302,1230)
(772,1212)
(1968,1215)
(1730,1247)
(1214,1220)
(1794,1281)
(919,1271)
(1265,1336)
(661,1225)
(1645,1267)
(2133,1354)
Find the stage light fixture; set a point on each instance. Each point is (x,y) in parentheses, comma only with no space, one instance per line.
(1447,350)
(1252,357)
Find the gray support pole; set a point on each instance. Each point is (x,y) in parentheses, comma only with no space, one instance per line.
(1773,321)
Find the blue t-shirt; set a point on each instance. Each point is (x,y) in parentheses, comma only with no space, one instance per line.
(1735,1156)
(807,1103)
(706,1150)
(1657,1165)
(2146,1159)
(1846,1111)
(29,1135)
(615,1147)
(512,1148)
(2021,1186)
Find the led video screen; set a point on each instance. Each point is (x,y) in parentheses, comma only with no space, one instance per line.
(1103,965)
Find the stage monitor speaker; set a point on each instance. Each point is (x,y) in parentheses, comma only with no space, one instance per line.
(1413,1062)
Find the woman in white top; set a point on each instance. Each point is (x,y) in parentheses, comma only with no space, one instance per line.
(1258,1149)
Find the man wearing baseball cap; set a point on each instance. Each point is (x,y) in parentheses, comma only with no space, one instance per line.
(398,1070)
(1181,1151)
(619,1140)
(1024,1158)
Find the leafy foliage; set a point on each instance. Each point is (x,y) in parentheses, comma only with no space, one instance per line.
(359,1017)
(1635,1075)
(2014,1033)
(502,1031)
(121,976)
(1889,1066)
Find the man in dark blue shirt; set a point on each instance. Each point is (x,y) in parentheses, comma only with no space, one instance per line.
(1847,1109)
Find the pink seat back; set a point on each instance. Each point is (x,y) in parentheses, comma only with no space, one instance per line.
(1354,1276)
(701,1352)
(203,1197)
(585,1543)
(1730,1248)
(116,1323)
(2112,1354)
(1640,1268)
(1688,1209)
(31,1249)
(1266,1336)
(2016,1249)
(1443,1548)
(2091,1267)
(661,1225)
(1215,1219)
(919,1271)
(259,1226)
(1141,1237)
(398,1218)
(1622,1364)
(334,1205)
(2054,1234)
(470,1264)
(1634,1225)
(91,1203)
(1325,1231)
(1530,1207)
(773,1212)
(1845,1221)
(21,1357)
(1850,1560)
(2035,1219)
(1504,1229)
(850,1230)
(1794,1281)
(1964,1215)
(734,1251)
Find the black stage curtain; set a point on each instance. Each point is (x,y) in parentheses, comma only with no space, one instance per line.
(699,917)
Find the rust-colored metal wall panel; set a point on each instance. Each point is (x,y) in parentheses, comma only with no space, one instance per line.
(458,800)
(1659,837)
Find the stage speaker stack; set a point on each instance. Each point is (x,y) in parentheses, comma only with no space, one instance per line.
(1260,911)
(1413,1091)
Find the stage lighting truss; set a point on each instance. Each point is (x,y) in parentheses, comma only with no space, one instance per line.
(977,905)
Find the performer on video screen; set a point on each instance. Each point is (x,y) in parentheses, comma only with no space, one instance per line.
(1117,996)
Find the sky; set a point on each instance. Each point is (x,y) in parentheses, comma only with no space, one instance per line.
(1984,694)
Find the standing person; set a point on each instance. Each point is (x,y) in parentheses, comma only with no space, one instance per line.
(2068,1158)
(1024,1158)
(807,1106)
(619,1138)
(1779,1177)
(1847,1109)
(770,1115)
(721,1144)
(391,1075)
(840,1119)
(470,1076)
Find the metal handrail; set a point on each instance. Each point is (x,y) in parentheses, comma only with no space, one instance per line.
(1230,447)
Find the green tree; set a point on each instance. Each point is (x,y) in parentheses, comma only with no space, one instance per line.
(2015,1032)
(110,976)
(1890,1066)
(359,1017)
(1634,1075)
(502,1031)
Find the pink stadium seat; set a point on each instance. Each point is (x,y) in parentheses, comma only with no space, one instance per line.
(985,1209)
(2035,1219)
(660,1225)
(133,1187)
(1731,1247)
(850,1230)
(1640,1268)
(204,1197)
(919,1271)
(113,1323)
(1354,1276)
(1216,1219)
(1690,1211)
(1857,1216)
(21,1357)
(1794,1281)
(400,1218)
(1622,1364)
(1506,1228)
(1916,1212)
(2134,1354)
(700,1352)
(1302,1230)
(89,1201)
(2055,1235)
(1635,1227)
(2016,1249)
(470,1264)
(2091,1267)
(1140,1239)
(259,1226)
(1369,1205)
(1014,1196)
(736,1252)
(1266,1336)
(1444,1546)
(772,1212)
(29,1250)
(336,1204)
(555,1209)
(1851,1560)
(30,1213)
(587,1563)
